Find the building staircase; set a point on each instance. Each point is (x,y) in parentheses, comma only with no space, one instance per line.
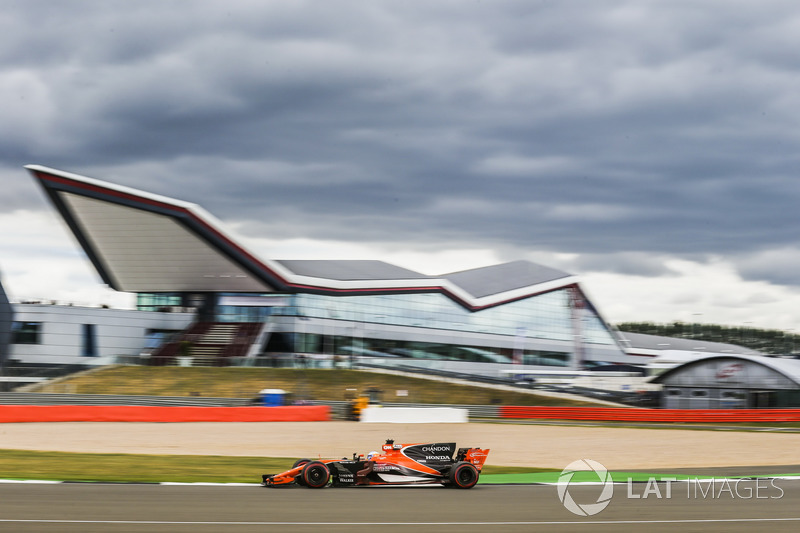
(208,344)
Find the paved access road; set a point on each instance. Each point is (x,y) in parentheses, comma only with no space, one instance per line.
(158,508)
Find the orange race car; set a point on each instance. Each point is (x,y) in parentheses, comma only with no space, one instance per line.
(396,464)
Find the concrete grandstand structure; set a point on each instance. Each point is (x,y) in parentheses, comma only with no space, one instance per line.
(176,256)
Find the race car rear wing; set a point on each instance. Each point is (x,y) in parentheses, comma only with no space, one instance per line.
(475,456)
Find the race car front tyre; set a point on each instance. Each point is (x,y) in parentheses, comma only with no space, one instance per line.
(299,477)
(463,475)
(315,475)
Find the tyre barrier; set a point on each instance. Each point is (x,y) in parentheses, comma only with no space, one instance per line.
(130,413)
(621,414)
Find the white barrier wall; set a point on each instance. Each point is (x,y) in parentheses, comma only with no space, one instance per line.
(415,415)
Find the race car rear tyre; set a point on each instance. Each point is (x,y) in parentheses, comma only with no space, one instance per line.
(315,475)
(463,475)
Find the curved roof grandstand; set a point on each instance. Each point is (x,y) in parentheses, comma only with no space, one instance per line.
(142,242)
(716,371)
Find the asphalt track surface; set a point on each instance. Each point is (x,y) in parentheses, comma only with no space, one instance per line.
(199,509)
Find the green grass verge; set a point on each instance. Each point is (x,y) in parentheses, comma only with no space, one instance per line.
(313,384)
(140,468)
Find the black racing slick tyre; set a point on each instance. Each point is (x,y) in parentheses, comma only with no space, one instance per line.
(299,478)
(463,475)
(315,475)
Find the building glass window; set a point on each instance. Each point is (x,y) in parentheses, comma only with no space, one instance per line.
(26,333)
(89,341)
(158,301)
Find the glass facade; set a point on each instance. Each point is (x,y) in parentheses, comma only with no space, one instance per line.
(253,307)
(348,346)
(146,301)
(547,316)
(360,325)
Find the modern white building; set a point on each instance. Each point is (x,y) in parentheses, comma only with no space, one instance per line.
(48,334)
(174,255)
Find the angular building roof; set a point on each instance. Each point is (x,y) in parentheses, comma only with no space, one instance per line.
(496,279)
(142,242)
(350,270)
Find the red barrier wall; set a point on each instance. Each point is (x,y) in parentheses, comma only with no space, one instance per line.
(126,413)
(653,415)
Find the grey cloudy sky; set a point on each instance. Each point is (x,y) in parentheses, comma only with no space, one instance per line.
(651,147)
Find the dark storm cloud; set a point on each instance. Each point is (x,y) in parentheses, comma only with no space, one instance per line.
(584,127)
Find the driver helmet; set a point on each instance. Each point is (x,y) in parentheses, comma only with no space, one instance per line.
(370,455)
